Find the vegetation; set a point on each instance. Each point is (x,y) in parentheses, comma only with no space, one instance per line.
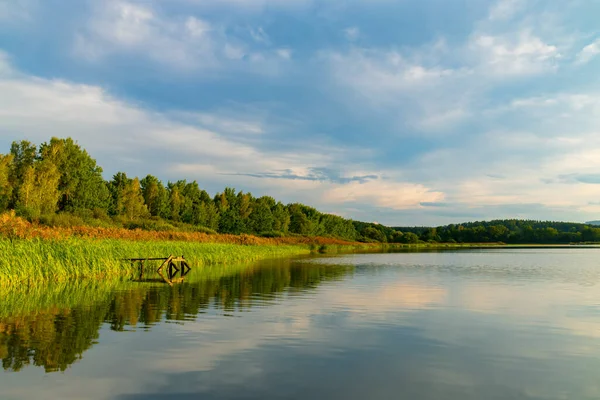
(60,184)
(510,231)
(53,327)
(29,262)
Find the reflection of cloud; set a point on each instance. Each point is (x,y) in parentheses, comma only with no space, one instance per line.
(394,297)
(535,304)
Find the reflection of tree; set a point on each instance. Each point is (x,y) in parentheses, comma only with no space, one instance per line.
(56,338)
(52,339)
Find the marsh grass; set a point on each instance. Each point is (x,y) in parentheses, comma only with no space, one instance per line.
(30,262)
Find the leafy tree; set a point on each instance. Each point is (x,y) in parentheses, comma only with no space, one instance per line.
(5,184)
(409,237)
(210,214)
(299,222)
(81,185)
(116,187)
(374,234)
(23,156)
(156,196)
(261,218)
(281,218)
(39,192)
(132,201)
(176,201)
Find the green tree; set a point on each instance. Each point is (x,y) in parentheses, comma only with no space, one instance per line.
(261,218)
(176,201)
(132,201)
(409,237)
(299,222)
(210,215)
(374,234)
(281,218)
(156,196)
(5,184)
(39,192)
(23,156)
(116,187)
(81,185)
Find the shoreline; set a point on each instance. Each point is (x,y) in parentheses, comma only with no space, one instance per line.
(38,261)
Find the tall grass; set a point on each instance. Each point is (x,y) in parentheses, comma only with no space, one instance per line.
(26,262)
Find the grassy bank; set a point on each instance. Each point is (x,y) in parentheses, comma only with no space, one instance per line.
(34,261)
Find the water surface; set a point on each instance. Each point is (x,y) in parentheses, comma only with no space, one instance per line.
(483,324)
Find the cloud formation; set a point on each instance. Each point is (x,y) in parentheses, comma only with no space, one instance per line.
(489,114)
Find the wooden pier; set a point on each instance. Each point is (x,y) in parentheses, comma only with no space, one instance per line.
(171,265)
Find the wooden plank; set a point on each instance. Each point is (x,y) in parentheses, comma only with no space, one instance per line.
(167,261)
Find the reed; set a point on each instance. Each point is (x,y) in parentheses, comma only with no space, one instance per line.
(29,262)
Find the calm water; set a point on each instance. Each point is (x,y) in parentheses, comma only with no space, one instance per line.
(493,324)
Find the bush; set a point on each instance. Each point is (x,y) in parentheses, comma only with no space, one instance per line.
(150,225)
(62,220)
(272,234)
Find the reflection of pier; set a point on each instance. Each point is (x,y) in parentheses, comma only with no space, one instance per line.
(171,265)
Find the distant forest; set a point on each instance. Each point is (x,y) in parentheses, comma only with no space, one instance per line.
(59,184)
(510,231)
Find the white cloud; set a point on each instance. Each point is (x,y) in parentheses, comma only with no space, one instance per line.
(508,55)
(588,53)
(505,9)
(210,147)
(197,27)
(259,35)
(5,66)
(185,42)
(286,54)
(352,33)
(393,195)
(114,130)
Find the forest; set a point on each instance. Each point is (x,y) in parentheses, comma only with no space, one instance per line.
(510,231)
(59,184)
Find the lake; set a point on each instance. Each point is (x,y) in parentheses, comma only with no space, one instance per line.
(464,324)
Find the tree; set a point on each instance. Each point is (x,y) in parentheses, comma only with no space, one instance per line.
(39,192)
(261,218)
(116,187)
(374,234)
(211,215)
(409,237)
(176,201)
(132,201)
(156,196)
(23,156)
(299,222)
(81,185)
(281,218)
(5,184)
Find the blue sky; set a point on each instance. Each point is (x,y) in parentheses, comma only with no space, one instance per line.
(408,112)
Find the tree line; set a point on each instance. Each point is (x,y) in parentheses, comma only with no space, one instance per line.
(510,231)
(59,183)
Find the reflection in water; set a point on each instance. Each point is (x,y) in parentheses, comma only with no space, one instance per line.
(453,325)
(56,337)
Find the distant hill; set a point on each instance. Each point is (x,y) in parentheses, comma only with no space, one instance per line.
(595,223)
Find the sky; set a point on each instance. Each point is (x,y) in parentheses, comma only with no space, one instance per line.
(405,112)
